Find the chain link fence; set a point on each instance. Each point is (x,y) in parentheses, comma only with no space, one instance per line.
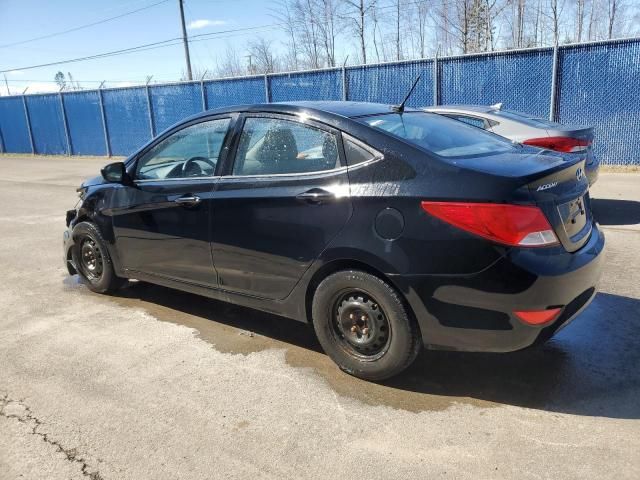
(594,84)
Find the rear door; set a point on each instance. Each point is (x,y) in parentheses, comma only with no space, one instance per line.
(285,197)
(162,223)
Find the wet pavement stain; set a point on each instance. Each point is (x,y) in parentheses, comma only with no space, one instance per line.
(589,368)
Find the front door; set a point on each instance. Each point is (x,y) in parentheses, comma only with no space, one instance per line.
(286,198)
(163,225)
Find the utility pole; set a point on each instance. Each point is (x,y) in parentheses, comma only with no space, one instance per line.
(185,41)
(6,82)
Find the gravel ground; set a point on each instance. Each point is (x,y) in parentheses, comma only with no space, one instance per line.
(158,384)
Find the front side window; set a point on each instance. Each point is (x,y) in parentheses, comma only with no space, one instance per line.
(190,152)
(439,134)
(271,146)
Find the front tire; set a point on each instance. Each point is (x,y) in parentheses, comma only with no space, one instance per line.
(363,325)
(92,260)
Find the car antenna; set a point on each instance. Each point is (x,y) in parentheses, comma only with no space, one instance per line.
(400,108)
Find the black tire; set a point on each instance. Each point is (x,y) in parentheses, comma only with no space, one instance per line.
(92,260)
(348,302)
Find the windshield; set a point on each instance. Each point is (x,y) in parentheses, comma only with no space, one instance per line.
(440,135)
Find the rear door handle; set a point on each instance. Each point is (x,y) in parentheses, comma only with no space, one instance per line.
(188,201)
(316,196)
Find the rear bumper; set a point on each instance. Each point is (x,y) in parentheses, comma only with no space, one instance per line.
(475,312)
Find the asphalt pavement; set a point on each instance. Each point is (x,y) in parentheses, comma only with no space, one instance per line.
(154,383)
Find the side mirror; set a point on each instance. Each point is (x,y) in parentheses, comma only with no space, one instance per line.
(114,172)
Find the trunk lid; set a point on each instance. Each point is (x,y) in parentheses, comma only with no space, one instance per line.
(563,195)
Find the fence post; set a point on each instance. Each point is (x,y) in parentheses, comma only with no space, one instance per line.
(203,93)
(151,125)
(104,123)
(267,90)
(65,124)
(345,87)
(436,80)
(26,114)
(554,84)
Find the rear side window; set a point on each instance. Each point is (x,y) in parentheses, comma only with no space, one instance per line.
(355,153)
(271,146)
(440,135)
(473,121)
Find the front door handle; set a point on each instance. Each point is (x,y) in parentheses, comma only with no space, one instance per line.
(188,201)
(316,196)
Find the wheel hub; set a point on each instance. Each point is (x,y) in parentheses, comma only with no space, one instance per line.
(362,324)
(91,257)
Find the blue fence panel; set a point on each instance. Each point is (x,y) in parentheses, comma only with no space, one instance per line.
(221,93)
(599,86)
(326,85)
(86,132)
(13,126)
(172,103)
(389,83)
(127,114)
(47,126)
(521,81)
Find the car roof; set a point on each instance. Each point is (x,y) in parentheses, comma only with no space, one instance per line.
(461,108)
(318,108)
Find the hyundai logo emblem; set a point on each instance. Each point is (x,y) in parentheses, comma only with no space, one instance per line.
(579,174)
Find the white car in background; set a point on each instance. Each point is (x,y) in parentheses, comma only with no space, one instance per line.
(528,130)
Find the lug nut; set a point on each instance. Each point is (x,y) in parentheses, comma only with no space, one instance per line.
(354,329)
(351,316)
(363,318)
(365,330)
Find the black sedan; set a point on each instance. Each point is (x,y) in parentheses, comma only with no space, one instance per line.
(385,228)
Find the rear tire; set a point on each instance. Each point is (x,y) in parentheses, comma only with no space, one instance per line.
(363,325)
(91,258)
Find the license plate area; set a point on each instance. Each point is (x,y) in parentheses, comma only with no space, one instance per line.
(574,216)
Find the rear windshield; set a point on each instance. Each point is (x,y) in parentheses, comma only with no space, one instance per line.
(440,135)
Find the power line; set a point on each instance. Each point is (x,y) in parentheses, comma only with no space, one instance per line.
(81,27)
(172,41)
(147,46)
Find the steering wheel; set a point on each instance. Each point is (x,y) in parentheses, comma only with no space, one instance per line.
(190,168)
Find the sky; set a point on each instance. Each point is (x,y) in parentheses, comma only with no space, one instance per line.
(26,19)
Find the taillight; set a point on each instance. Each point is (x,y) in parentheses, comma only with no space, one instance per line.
(515,225)
(538,317)
(560,144)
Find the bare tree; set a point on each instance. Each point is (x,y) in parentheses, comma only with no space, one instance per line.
(283,13)
(262,56)
(555,11)
(612,10)
(356,17)
(328,14)
(231,65)
(398,44)
(421,16)
(580,11)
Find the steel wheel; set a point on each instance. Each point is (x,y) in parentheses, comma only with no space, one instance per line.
(360,325)
(91,259)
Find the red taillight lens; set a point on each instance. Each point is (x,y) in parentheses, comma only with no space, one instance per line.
(515,225)
(560,144)
(538,317)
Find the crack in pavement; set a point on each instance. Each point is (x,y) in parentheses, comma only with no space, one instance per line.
(27,418)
